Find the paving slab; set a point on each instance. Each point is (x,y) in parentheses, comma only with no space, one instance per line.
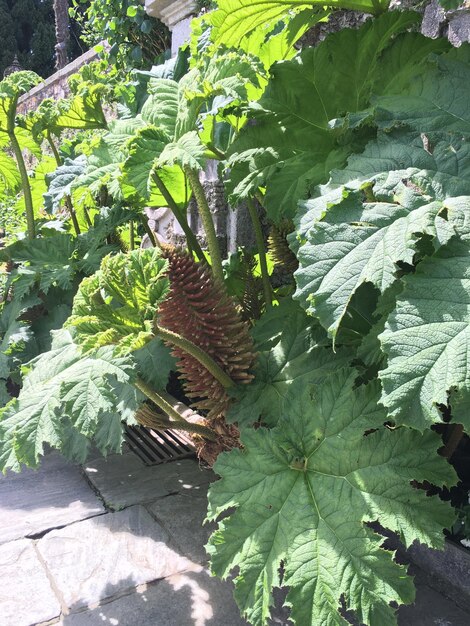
(108,555)
(432,609)
(183,516)
(37,500)
(189,599)
(26,596)
(123,480)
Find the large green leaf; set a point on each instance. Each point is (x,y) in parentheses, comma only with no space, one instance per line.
(84,111)
(137,172)
(61,182)
(433,100)
(11,88)
(427,339)
(312,114)
(144,149)
(356,242)
(16,337)
(154,363)
(103,170)
(43,262)
(234,19)
(64,391)
(289,176)
(117,305)
(303,493)
(187,151)
(9,174)
(291,348)
(442,169)
(38,186)
(278,45)
(161,107)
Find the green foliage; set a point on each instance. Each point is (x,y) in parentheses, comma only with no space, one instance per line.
(135,39)
(234,19)
(117,305)
(383,267)
(17,340)
(61,182)
(352,243)
(294,352)
(314,112)
(363,142)
(303,492)
(83,111)
(426,340)
(66,400)
(155,363)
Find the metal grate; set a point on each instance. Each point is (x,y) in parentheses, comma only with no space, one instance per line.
(158,446)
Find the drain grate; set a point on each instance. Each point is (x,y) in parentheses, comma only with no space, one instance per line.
(158,446)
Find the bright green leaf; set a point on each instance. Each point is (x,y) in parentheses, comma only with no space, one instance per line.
(61,390)
(234,19)
(303,493)
(291,348)
(358,242)
(427,339)
(117,305)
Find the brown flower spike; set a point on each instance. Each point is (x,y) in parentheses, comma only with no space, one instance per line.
(279,249)
(199,309)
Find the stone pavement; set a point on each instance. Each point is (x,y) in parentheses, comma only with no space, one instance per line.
(116,543)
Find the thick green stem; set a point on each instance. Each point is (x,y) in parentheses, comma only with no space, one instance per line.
(268,296)
(191,238)
(73,215)
(131,235)
(86,215)
(196,429)
(55,152)
(207,222)
(176,420)
(157,399)
(28,199)
(197,352)
(150,234)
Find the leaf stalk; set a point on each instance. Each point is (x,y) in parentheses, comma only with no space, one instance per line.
(207,222)
(193,243)
(198,353)
(268,295)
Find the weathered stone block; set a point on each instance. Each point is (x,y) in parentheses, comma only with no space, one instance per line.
(37,500)
(123,480)
(189,599)
(183,517)
(26,596)
(109,555)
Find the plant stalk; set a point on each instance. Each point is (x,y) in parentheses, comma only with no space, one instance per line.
(177,421)
(28,198)
(198,353)
(55,152)
(131,235)
(193,243)
(86,215)
(268,296)
(208,223)
(151,235)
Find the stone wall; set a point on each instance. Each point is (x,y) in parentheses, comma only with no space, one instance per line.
(56,86)
(455,25)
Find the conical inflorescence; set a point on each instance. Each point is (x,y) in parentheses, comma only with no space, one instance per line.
(198,309)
